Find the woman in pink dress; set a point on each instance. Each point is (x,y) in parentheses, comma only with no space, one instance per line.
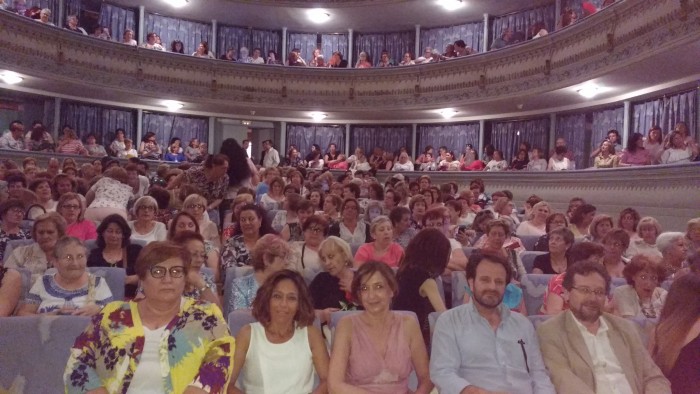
(376,350)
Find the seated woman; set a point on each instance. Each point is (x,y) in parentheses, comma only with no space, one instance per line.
(581,219)
(599,228)
(537,163)
(274,198)
(234,226)
(330,289)
(184,222)
(674,251)
(293,230)
(304,254)
(357,364)
(297,180)
(44,201)
(692,234)
(71,207)
(427,256)
(11,213)
(200,285)
(635,154)
(149,148)
(679,151)
(498,163)
(316,162)
(537,224)
(351,228)
(146,228)
(648,230)
(269,255)
(196,205)
(383,248)
(556,261)
(675,342)
(498,240)
(282,350)
(71,290)
(93,148)
(288,212)
(615,243)
(607,157)
(401,222)
(315,197)
(157,333)
(253,225)
(39,256)
(109,195)
(10,291)
(449,163)
(628,221)
(559,161)
(174,153)
(70,144)
(641,296)
(114,249)
(404,163)
(521,161)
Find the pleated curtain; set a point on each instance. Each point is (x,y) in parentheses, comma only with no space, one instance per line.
(391,138)
(520,22)
(666,112)
(605,120)
(118,20)
(305,42)
(169,126)
(454,136)
(232,37)
(169,29)
(266,40)
(439,37)
(572,127)
(373,44)
(334,43)
(305,135)
(50,4)
(98,120)
(507,136)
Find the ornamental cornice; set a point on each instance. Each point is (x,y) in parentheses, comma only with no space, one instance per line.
(613,39)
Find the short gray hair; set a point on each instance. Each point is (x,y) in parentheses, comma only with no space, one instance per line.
(145,201)
(64,242)
(665,240)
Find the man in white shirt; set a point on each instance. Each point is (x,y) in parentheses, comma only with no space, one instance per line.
(588,351)
(13,139)
(257,58)
(271,156)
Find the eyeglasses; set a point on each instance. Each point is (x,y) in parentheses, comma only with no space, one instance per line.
(195,206)
(315,230)
(16,211)
(68,258)
(588,291)
(70,206)
(158,272)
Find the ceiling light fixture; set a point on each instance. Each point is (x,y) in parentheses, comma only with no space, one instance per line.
(448,113)
(177,3)
(318,15)
(588,91)
(172,105)
(245,122)
(11,78)
(318,116)
(451,5)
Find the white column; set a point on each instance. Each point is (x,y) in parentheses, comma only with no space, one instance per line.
(414,141)
(487,36)
(350,52)
(139,127)
(61,13)
(210,138)
(283,55)
(417,50)
(552,131)
(697,123)
(347,140)
(626,125)
(283,136)
(212,42)
(56,117)
(557,12)
(482,127)
(142,25)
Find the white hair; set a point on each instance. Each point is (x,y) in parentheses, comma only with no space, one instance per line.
(664,240)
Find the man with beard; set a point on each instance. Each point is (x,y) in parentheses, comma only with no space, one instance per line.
(588,351)
(482,347)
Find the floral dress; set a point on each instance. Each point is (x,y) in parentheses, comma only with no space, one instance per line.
(234,254)
(196,350)
(5,237)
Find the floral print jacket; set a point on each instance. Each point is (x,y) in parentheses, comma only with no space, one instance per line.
(197,350)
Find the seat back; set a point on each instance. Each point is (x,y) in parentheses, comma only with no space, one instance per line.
(90,245)
(468,250)
(115,278)
(26,282)
(459,287)
(231,274)
(528,259)
(14,244)
(537,320)
(534,286)
(529,241)
(35,350)
(239,318)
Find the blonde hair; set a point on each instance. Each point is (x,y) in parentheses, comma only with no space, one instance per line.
(338,244)
(649,221)
(378,221)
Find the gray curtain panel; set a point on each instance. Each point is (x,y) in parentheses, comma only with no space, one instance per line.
(50,4)
(73,7)
(334,42)
(573,129)
(437,38)
(520,22)
(391,138)
(305,135)
(396,44)
(666,111)
(232,37)
(191,33)
(506,136)
(99,120)
(169,126)
(605,120)
(453,136)
(118,20)
(267,40)
(305,42)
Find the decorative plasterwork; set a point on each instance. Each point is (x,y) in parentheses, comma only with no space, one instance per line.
(621,35)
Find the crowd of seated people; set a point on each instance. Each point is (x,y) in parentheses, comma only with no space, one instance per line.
(303,246)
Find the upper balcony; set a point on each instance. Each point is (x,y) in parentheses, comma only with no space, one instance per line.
(635,48)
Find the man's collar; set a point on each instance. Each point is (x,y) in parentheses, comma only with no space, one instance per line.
(602,325)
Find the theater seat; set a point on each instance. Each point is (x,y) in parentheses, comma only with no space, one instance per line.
(528,259)
(537,320)
(459,287)
(14,244)
(35,351)
(115,278)
(529,241)
(534,286)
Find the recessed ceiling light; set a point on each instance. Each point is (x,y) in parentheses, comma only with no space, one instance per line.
(588,91)
(172,105)
(318,116)
(11,78)
(448,113)
(451,5)
(245,122)
(177,3)
(318,15)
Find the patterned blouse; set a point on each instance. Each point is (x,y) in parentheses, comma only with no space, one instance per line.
(196,350)
(210,190)
(235,253)
(5,237)
(243,292)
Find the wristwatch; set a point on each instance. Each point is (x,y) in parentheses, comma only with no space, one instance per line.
(205,287)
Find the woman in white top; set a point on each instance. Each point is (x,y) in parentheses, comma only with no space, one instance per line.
(537,224)
(305,258)
(196,206)
(641,296)
(109,195)
(537,163)
(449,163)
(274,198)
(129,38)
(497,163)
(653,143)
(281,351)
(679,151)
(559,161)
(117,146)
(146,227)
(648,229)
(203,51)
(404,164)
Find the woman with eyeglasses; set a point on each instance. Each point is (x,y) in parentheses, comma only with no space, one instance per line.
(615,243)
(641,296)
(196,206)
(146,227)
(183,222)
(71,207)
(71,290)
(163,343)
(11,213)
(305,258)
(114,249)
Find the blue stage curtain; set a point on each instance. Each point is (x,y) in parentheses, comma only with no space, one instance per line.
(334,42)
(520,22)
(453,136)
(507,136)
(99,120)
(118,20)
(439,37)
(666,111)
(168,126)
(572,127)
(305,42)
(373,44)
(305,135)
(391,138)
(267,40)
(191,33)
(232,37)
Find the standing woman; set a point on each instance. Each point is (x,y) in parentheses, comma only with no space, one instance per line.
(427,256)
(114,249)
(71,207)
(376,350)
(164,343)
(109,195)
(675,344)
(281,351)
